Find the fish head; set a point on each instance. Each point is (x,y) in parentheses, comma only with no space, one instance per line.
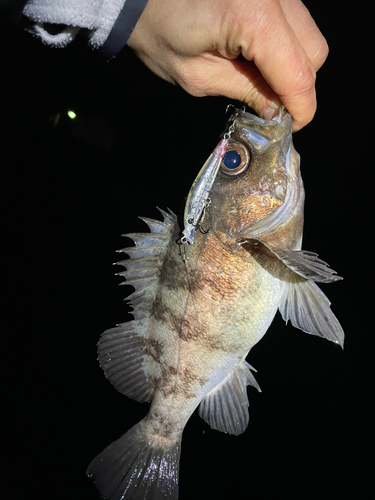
(258,189)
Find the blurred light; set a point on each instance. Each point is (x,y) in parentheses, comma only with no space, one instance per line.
(72,115)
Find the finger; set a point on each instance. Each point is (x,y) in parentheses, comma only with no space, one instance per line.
(236,79)
(306,31)
(285,66)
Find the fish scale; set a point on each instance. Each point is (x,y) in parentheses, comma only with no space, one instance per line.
(199,308)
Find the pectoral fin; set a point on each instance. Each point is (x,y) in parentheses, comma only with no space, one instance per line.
(304,304)
(308,309)
(304,263)
(225,408)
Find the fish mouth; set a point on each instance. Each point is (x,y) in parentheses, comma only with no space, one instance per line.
(260,132)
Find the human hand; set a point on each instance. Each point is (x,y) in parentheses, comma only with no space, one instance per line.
(197,44)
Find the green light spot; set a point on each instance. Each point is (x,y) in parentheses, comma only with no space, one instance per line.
(72,115)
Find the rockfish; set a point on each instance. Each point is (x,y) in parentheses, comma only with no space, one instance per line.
(199,308)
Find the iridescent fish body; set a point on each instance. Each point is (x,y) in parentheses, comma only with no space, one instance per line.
(196,319)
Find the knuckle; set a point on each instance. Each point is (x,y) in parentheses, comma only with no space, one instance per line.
(303,83)
(188,75)
(321,53)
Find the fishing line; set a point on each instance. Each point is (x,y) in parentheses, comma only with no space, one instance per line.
(177,363)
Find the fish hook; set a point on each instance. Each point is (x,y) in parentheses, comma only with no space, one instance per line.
(203,216)
(230,106)
(241,111)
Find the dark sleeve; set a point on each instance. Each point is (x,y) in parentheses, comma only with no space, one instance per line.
(123,27)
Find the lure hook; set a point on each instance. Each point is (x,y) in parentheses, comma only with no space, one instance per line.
(228,134)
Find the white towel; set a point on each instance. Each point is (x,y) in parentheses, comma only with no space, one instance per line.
(98,16)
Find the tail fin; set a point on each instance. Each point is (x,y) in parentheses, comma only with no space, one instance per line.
(135,468)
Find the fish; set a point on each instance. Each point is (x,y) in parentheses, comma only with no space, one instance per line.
(199,308)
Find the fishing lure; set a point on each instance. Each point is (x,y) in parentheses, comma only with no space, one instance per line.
(198,198)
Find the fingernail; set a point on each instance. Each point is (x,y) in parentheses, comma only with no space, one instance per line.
(270,112)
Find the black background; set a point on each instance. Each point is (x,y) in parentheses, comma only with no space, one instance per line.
(68,191)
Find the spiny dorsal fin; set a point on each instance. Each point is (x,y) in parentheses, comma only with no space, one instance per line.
(225,408)
(122,351)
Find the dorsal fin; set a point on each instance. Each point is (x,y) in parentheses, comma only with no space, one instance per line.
(122,350)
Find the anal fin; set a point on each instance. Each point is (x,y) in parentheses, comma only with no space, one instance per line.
(225,408)
(124,360)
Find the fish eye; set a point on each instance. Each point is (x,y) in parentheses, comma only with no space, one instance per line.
(236,159)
